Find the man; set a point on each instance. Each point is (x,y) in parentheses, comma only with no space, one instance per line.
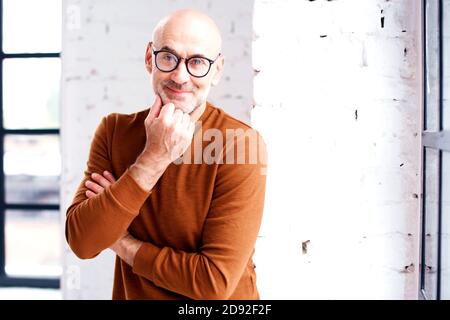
(180,230)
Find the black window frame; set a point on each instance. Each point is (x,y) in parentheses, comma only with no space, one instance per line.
(5,279)
(438,140)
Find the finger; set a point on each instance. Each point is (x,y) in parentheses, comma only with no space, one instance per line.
(180,126)
(100,180)
(167,111)
(108,175)
(94,187)
(177,116)
(191,128)
(155,110)
(90,194)
(186,120)
(126,235)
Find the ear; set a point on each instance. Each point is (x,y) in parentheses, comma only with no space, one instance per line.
(148,58)
(218,65)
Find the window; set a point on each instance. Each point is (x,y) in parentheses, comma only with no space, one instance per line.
(435,239)
(30,237)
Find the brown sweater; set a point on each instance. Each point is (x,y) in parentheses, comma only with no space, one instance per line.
(199,223)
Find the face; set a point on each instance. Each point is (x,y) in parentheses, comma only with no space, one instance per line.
(185,91)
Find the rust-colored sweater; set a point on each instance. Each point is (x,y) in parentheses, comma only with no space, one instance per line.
(199,224)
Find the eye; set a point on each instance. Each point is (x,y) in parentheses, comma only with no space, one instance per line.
(168,57)
(197,62)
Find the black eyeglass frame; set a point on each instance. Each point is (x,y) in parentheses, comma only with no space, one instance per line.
(186,61)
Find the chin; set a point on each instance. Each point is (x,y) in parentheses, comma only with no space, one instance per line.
(183,107)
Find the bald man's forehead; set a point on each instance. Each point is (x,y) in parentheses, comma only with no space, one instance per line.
(186,43)
(188,32)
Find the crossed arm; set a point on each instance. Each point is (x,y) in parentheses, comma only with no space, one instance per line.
(104,208)
(228,237)
(126,246)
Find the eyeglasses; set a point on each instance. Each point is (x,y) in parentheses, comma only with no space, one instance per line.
(197,66)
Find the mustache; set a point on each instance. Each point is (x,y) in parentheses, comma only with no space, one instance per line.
(176,86)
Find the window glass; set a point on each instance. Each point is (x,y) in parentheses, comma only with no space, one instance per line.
(32,166)
(445,227)
(431,221)
(31,26)
(432,65)
(33,243)
(446,65)
(31,93)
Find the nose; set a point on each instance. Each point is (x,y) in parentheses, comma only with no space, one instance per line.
(180,75)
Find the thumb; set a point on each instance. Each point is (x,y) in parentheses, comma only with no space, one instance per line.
(155,110)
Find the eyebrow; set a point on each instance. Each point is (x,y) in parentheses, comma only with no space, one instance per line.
(169,49)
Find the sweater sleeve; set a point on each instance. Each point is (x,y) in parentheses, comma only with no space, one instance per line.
(228,240)
(94,224)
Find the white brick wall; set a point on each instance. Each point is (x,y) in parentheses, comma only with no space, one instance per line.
(340,112)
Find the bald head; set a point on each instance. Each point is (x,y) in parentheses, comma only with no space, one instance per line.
(190,26)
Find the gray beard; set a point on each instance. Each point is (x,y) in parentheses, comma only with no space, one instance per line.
(195,108)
